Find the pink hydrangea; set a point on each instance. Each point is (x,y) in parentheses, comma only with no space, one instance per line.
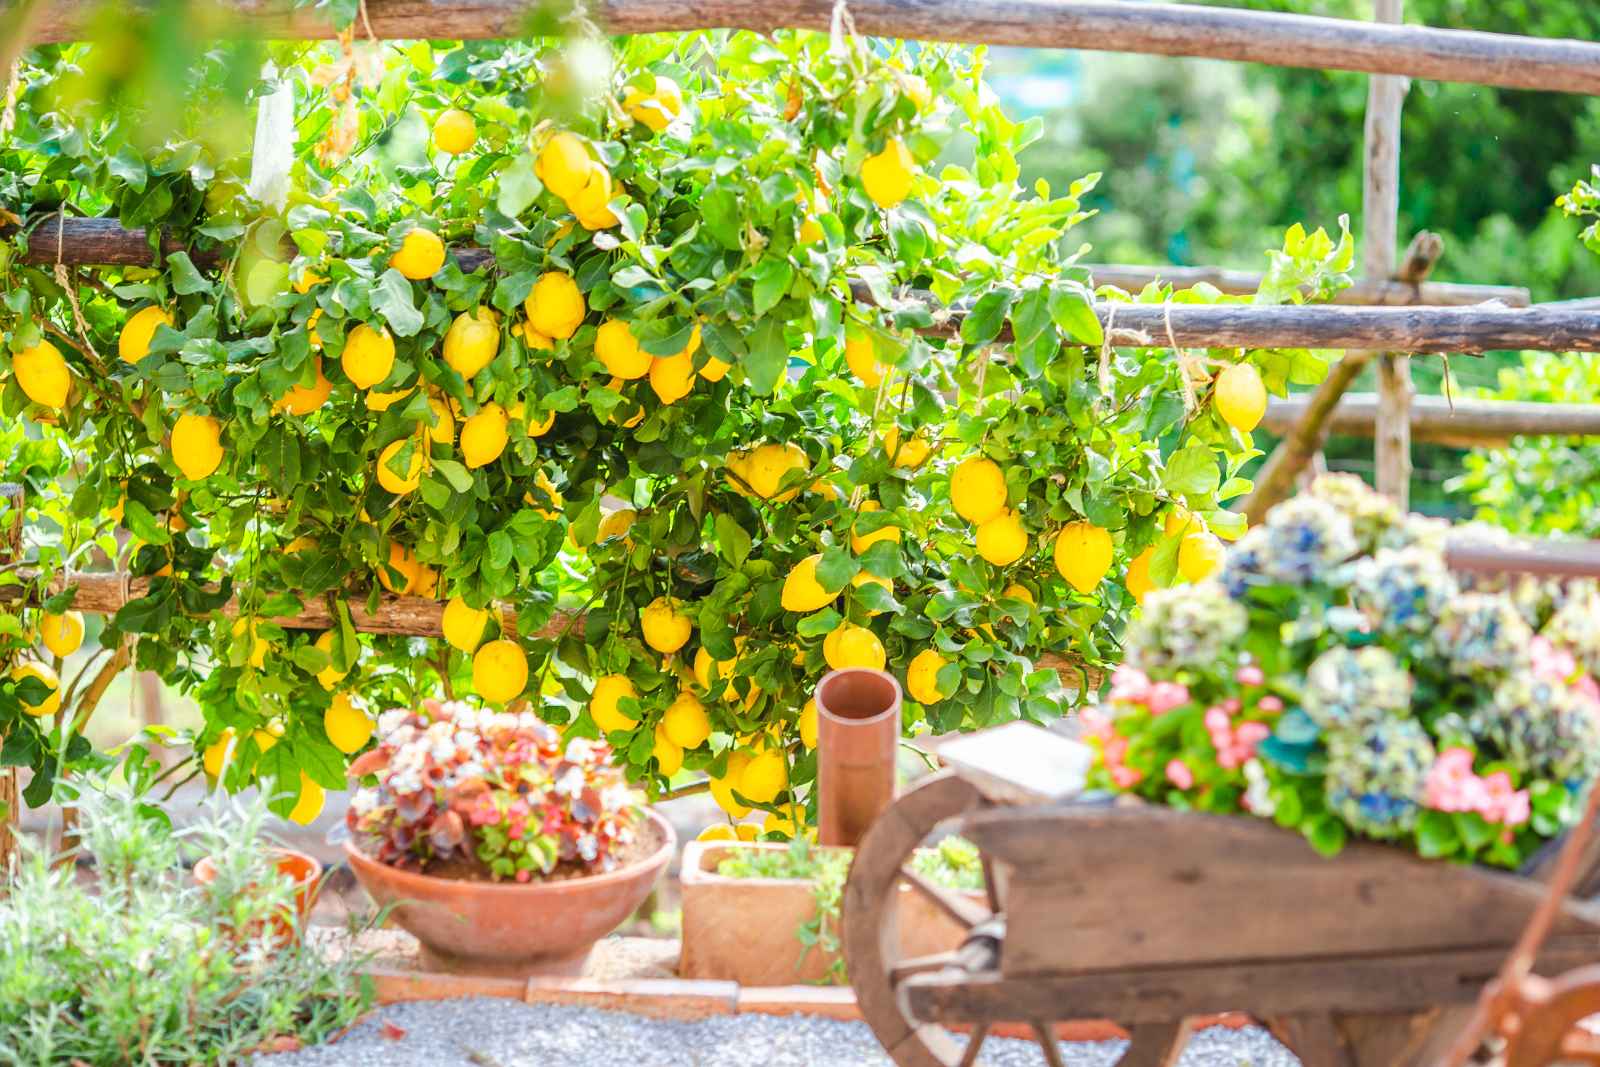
(1250,674)
(1164,696)
(1124,777)
(1233,705)
(1550,663)
(1252,733)
(1270,704)
(1217,720)
(1179,774)
(1503,804)
(1452,786)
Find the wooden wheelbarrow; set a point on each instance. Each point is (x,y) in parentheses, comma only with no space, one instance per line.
(1150,917)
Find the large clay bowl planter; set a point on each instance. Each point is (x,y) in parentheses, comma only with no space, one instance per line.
(302,870)
(513,929)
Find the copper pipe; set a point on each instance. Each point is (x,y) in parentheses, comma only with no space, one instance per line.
(858,734)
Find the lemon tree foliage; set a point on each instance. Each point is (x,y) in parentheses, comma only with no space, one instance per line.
(650,341)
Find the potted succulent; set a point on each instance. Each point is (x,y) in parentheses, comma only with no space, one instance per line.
(503,849)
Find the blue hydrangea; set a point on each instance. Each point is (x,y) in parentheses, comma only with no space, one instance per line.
(1402,590)
(1482,636)
(1355,688)
(1371,514)
(1575,627)
(1194,627)
(1542,727)
(1377,774)
(1300,541)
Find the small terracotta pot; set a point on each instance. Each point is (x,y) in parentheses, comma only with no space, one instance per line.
(302,870)
(858,735)
(513,929)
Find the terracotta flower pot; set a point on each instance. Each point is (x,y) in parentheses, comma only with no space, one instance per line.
(302,870)
(513,929)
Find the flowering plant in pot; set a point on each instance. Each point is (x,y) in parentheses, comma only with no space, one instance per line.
(1339,679)
(503,848)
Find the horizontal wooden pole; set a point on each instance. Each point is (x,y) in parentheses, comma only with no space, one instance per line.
(1467,423)
(1472,329)
(1364,292)
(1282,40)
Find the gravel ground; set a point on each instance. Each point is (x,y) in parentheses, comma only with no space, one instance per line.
(503,1033)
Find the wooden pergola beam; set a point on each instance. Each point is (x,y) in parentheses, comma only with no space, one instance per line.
(1465,423)
(1282,40)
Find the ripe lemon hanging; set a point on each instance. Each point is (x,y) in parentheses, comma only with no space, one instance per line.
(43,375)
(416,577)
(617,348)
(764,777)
(1083,555)
(443,430)
(454,131)
(384,401)
(304,399)
(216,755)
(499,671)
(368,356)
(463,625)
(256,656)
(807,725)
(666,629)
(309,806)
(863,578)
(763,470)
(708,669)
(1003,540)
(1178,521)
(133,344)
(471,342)
(330,675)
(850,645)
(62,634)
(1199,555)
(801,590)
(672,377)
(978,489)
(722,788)
(196,445)
(887,176)
(605,703)
(394,483)
(484,436)
(1138,580)
(555,307)
(655,109)
(861,356)
(420,256)
(592,204)
(1240,397)
(860,542)
(616,524)
(909,454)
(32,668)
(668,756)
(922,677)
(563,166)
(686,722)
(347,724)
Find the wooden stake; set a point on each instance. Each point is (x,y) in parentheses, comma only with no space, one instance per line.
(1462,423)
(1381,209)
(10,798)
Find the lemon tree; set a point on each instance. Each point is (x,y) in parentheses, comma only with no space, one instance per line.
(679,368)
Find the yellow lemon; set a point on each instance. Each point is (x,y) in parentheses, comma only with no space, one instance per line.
(484,436)
(1138,580)
(853,646)
(887,176)
(385,401)
(563,166)
(860,542)
(785,824)
(347,724)
(1199,555)
(655,109)
(394,483)
(863,578)
(454,131)
(922,677)
(672,377)
(1018,591)
(555,307)
(722,788)
(616,524)
(196,445)
(668,756)
(617,348)
(592,203)
(216,756)
(1082,555)
(978,489)
(308,280)
(330,675)
(666,629)
(309,806)
(1178,521)
(31,668)
(1240,397)
(133,344)
(420,256)
(499,671)
(686,722)
(764,468)
(543,482)
(708,669)
(764,777)
(1003,540)
(304,399)
(604,703)
(910,454)
(443,430)
(43,375)
(807,724)
(61,634)
(801,590)
(256,657)
(721,831)
(368,356)
(471,342)
(861,355)
(463,625)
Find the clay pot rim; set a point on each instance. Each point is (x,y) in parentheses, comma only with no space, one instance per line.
(892,711)
(204,869)
(430,882)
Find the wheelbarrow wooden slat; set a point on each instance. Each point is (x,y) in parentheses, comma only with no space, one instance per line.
(1388,983)
(1114,888)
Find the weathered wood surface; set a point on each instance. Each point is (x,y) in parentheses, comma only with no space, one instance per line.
(1380,208)
(1251,881)
(1101,25)
(12,494)
(1463,423)
(1393,982)
(1362,292)
(1542,559)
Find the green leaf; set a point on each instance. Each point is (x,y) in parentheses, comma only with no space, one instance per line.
(392,298)
(1192,471)
(186,280)
(459,477)
(1436,835)
(983,322)
(732,539)
(1073,312)
(835,569)
(519,187)
(1326,834)
(772,279)
(768,358)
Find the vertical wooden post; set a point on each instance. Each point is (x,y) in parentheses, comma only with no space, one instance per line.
(1380,212)
(10,800)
